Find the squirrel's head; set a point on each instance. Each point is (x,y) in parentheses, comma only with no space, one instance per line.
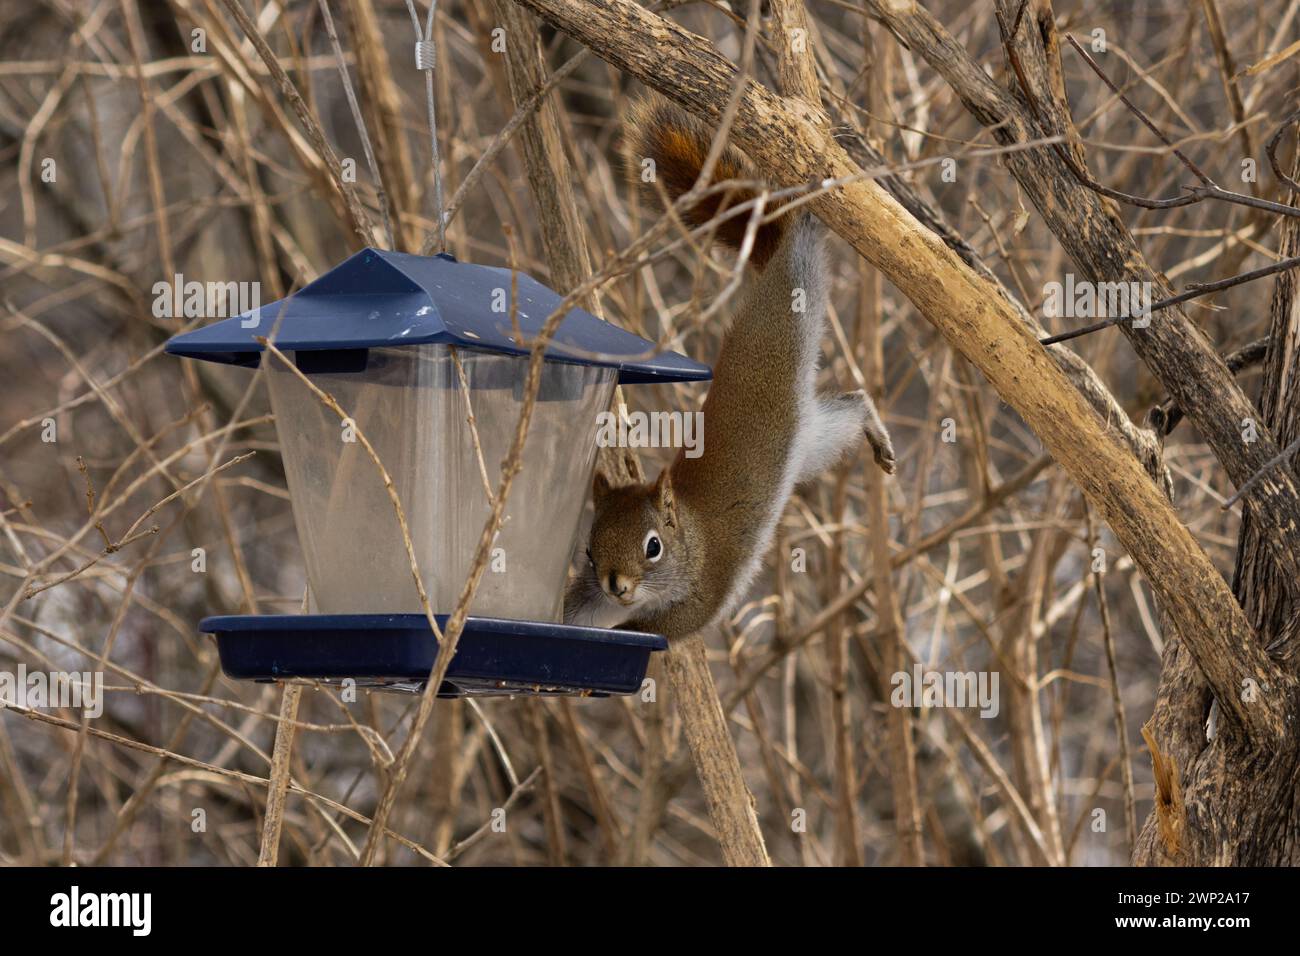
(637,550)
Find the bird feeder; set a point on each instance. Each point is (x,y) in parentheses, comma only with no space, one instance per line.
(428,358)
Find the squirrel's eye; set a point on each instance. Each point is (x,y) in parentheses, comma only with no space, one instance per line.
(590,559)
(654,548)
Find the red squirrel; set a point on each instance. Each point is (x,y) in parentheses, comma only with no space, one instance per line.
(672,556)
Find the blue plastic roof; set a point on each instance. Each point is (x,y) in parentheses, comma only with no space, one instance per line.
(384,299)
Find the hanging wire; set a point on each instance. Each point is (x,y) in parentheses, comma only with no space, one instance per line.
(426,61)
(361,123)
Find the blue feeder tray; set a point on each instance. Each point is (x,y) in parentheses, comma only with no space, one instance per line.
(494,657)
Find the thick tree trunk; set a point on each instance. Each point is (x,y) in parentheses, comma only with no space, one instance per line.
(1240,808)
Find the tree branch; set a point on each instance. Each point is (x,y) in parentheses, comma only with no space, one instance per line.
(1103,250)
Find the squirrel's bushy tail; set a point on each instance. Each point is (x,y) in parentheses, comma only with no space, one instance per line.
(678,143)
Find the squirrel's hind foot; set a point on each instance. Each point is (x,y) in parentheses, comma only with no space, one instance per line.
(836,427)
(882,449)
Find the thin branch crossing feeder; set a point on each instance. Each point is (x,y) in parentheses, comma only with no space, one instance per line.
(429,357)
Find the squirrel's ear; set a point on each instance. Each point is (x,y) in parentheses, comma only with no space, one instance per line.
(600,487)
(665,502)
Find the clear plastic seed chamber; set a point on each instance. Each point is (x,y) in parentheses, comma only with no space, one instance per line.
(428,358)
(415,405)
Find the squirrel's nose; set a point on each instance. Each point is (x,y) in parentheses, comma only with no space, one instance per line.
(616,587)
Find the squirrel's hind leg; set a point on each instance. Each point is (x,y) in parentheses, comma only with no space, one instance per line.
(838,423)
